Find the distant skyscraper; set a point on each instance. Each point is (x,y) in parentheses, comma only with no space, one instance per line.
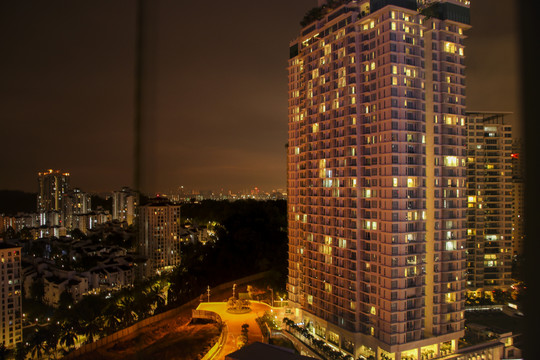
(125,204)
(518,179)
(159,235)
(489,190)
(75,202)
(10,268)
(52,185)
(376,177)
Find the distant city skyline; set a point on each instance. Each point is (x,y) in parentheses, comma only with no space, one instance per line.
(219,102)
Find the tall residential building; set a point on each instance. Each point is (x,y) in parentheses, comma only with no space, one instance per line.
(159,235)
(52,185)
(75,202)
(125,204)
(518,179)
(10,269)
(376,176)
(489,191)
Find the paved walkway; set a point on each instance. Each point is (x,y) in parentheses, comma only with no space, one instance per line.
(235,322)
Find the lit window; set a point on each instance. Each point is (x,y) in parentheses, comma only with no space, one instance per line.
(449,47)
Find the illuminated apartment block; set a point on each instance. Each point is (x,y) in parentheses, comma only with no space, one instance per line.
(125,205)
(490,200)
(10,269)
(518,179)
(75,202)
(159,235)
(52,185)
(376,177)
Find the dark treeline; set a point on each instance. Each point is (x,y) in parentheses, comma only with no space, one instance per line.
(251,238)
(15,201)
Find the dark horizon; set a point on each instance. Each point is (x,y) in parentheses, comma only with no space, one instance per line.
(217,86)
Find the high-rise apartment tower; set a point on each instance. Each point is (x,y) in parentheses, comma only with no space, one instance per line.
(518,179)
(10,268)
(53,184)
(490,200)
(125,204)
(376,176)
(159,235)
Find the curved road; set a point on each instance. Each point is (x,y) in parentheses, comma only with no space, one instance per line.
(235,322)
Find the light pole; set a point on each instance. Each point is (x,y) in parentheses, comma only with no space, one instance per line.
(233,289)
(208,292)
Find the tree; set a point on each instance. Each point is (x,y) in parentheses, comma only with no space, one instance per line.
(65,300)
(68,334)
(21,350)
(90,313)
(37,290)
(126,309)
(3,350)
(156,294)
(52,338)
(38,342)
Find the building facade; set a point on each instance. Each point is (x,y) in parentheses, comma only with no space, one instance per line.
(125,204)
(75,202)
(376,177)
(10,268)
(159,235)
(518,179)
(490,201)
(52,185)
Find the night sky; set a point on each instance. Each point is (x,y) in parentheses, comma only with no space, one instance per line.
(216,89)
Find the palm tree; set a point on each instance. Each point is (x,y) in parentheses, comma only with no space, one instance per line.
(38,343)
(111,321)
(126,309)
(90,316)
(157,295)
(68,335)
(52,339)
(21,350)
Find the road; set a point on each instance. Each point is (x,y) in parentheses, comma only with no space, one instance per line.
(235,322)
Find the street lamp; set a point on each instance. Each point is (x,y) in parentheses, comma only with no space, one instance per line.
(208,292)
(233,289)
